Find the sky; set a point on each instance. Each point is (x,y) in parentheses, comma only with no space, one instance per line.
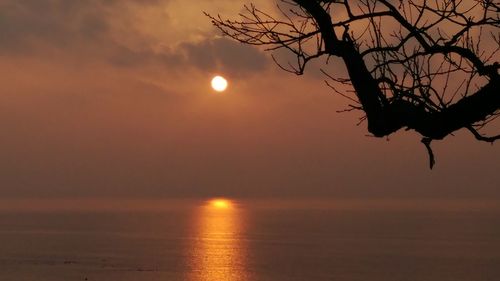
(108,98)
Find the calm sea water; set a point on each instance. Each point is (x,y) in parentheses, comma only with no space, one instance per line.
(252,241)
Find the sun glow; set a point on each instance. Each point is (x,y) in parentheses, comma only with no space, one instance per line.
(219,83)
(220,203)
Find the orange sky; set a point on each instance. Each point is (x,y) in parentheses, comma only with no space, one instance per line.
(112,98)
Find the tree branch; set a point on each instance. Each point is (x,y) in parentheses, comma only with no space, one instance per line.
(427,143)
(480,137)
(402,77)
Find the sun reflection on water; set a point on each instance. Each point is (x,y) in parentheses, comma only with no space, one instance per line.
(219,251)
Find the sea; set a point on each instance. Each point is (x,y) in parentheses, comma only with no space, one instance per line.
(249,239)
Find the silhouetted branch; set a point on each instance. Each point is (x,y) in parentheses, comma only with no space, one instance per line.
(481,137)
(427,143)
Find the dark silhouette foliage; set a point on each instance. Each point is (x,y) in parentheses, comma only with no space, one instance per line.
(428,66)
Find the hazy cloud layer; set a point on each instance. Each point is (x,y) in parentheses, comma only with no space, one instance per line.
(112,98)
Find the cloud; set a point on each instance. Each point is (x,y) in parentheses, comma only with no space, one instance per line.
(110,31)
(220,55)
(27,23)
(225,55)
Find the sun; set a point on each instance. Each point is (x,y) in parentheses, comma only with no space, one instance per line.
(219,83)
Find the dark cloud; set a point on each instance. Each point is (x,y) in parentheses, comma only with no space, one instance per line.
(64,24)
(225,55)
(82,29)
(218,55)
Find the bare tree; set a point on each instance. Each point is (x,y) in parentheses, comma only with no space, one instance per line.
(400,56)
